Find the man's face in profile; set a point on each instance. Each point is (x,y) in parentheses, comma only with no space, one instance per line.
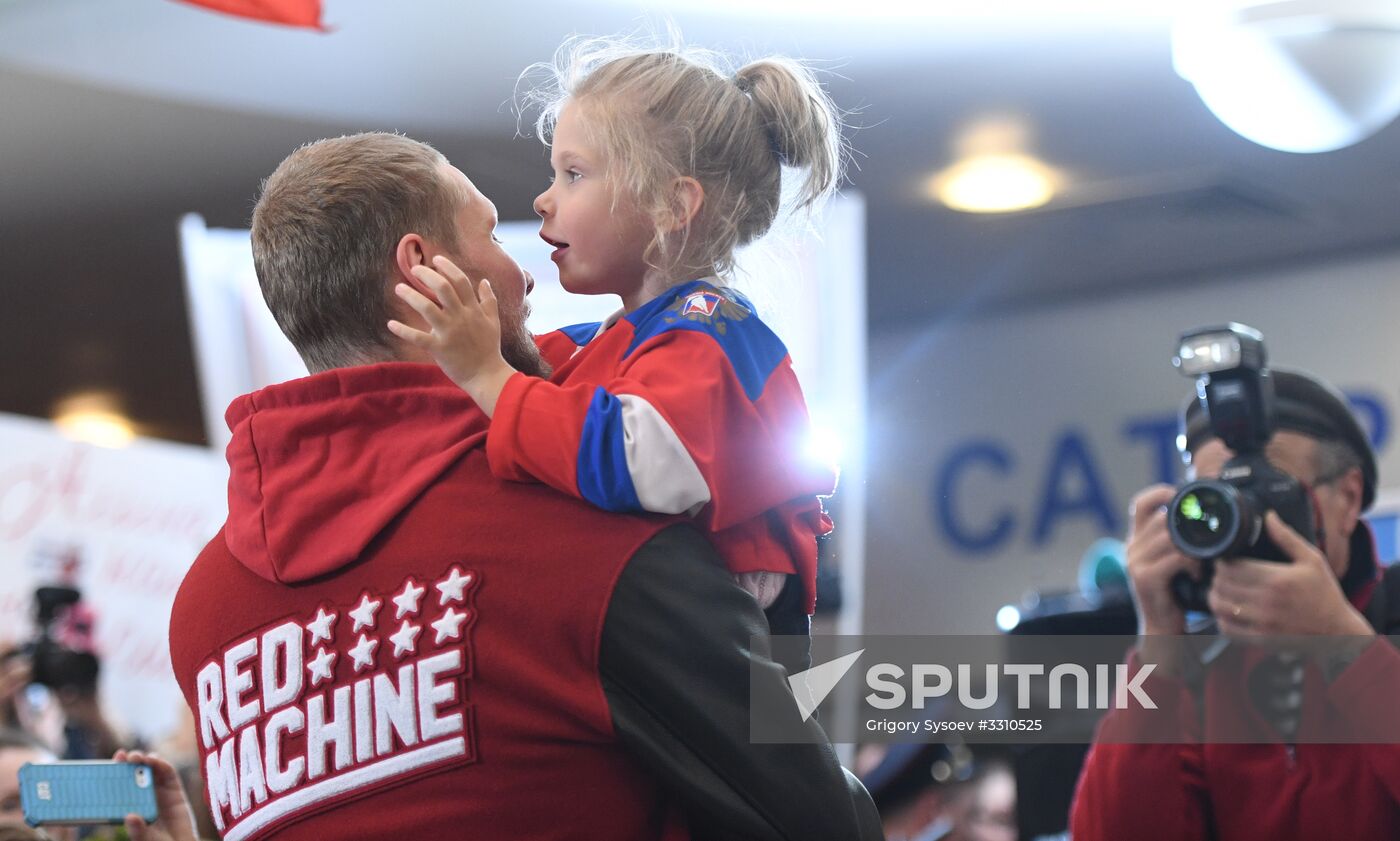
(480,255)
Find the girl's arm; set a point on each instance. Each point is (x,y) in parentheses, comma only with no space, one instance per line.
(704,412)
(679,429)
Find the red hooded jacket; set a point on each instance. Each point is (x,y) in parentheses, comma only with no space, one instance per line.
(386,641)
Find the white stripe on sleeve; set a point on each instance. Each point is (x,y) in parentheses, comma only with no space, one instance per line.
(663,473)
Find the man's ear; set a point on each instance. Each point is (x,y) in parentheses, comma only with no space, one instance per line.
(688,198)
(411,251)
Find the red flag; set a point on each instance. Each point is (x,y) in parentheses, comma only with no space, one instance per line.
(305,13)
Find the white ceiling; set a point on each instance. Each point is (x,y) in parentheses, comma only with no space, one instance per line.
(129,102)
(450,64)
(117,116)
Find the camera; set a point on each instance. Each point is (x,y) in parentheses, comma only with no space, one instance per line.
(57,655)
(1223,518)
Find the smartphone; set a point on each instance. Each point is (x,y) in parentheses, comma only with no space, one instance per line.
(93,792)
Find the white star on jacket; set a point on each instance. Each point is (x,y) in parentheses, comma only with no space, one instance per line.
(320,627)
(452,586)
(363,614)
(320,666)
(363,653)
(449,627)
(407,600)
(406,639)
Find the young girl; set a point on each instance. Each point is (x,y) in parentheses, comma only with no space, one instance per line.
(683,402)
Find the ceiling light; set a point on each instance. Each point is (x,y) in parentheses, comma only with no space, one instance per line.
(94,418)
(992,171)
(1295,75)
(995,183)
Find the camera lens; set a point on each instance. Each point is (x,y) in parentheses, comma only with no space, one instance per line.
(1204,519)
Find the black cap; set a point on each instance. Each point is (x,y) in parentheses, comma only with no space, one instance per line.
(908,768)
(1302,403)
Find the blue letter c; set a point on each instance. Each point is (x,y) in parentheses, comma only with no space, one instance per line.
(991,455)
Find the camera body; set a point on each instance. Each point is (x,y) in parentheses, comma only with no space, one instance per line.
(1223,518)
(53,662)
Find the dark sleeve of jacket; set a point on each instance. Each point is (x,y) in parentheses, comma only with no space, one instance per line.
(675,663)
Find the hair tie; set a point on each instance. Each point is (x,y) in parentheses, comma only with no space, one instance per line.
(745,86)
(777,149)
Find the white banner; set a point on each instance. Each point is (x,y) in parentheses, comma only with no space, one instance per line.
(122,525)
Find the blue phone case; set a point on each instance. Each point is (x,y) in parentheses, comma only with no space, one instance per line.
(86,792)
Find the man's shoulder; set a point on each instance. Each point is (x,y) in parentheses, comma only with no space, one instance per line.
(198,573)
(198,604)
(678,577)
(681,541)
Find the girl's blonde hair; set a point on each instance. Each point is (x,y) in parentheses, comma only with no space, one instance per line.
(660,114)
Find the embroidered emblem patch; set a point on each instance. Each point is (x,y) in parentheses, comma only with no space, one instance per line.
(709,307)
(702,303)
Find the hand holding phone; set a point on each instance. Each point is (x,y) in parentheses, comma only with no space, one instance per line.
(145,794)
(87,792)
(176,821)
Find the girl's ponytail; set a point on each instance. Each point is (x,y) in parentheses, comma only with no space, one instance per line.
(802,123)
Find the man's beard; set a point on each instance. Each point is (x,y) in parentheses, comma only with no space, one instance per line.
(520,352)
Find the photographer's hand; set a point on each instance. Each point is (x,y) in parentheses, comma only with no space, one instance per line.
(1153,560)
(82,708)
(174,815)
(1303,598)
(14,676)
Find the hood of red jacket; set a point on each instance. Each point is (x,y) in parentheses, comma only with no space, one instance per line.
(319,466)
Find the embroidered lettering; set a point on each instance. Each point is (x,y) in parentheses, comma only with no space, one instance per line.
(299,714)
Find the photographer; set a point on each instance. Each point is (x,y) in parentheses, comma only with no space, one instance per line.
(1284,784)
(61,658)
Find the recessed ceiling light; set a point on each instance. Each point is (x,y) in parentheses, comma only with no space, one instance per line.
(94,418)
(995,183)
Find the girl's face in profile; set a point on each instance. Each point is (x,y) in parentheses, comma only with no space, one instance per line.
(599,237)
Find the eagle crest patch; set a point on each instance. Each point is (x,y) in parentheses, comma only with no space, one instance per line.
(707,306)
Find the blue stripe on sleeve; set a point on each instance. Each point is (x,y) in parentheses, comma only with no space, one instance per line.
(603,477)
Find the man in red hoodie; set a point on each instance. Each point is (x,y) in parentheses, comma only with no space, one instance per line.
(384,640)
(1234,770)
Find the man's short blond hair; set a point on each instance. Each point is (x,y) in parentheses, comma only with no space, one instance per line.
(325,230)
